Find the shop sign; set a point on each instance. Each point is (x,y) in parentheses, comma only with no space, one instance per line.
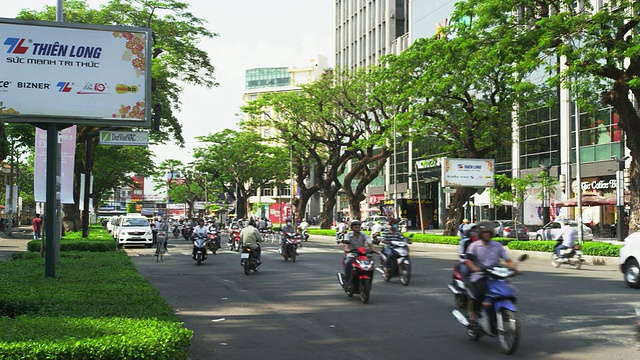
(598,185)
(467,172)
(375,199)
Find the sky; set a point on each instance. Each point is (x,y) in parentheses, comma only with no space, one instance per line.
(252,33)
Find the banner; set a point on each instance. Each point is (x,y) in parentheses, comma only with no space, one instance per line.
(82,74)
(467,172)
(67,141)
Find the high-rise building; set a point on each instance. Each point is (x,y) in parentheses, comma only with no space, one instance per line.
(369,29)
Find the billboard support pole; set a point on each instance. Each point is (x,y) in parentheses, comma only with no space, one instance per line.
(52,241)
(87,186)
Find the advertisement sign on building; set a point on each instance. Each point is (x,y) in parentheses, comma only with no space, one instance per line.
(82,74)
(467,172)
(140,138)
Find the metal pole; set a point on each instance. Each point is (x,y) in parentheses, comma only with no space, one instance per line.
(11,195)
(87,187)
(293,213)
(578,172)
(53,156)
(395,173)
(545,194)
(419,201)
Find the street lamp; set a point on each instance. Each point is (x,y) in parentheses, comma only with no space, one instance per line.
(620,225)
(545,194)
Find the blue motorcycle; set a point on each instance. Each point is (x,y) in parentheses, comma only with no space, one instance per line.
(498,315)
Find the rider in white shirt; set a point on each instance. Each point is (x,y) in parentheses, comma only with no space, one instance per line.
(569,234)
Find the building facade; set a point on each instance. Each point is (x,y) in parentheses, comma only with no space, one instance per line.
(543,136)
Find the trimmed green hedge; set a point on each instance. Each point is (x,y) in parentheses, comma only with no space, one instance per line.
(588,248)
(96,307)
(99,240)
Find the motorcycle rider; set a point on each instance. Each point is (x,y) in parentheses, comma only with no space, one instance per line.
(376,229)
(354,240)
(304,225)
(287,228)
(200,231)
(389,235)
(568,238)
(250,236)
(341,229)
(487,253)
(461,226)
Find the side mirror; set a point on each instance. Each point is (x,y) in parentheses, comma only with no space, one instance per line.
(523,257)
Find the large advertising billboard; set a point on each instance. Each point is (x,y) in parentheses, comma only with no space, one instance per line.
(467,172)
(75,73)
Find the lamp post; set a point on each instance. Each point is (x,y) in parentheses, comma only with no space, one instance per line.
(578,170)
(545,194)
(620,225)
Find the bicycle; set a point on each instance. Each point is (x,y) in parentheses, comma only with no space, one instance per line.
(160,249)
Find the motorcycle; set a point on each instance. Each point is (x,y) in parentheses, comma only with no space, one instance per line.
(234,239)
(571,256)
(176,230)
(199,249)
(187,232)
(213,243)
(498,314)
(361,277)
(304,234)
(291,246)
(248,260)
(265,234)
(401,266)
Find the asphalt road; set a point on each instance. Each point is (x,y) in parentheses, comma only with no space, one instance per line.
(298,310)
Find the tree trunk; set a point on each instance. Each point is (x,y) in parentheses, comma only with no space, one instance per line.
(354,206)
(634,189)
(328,205)
(241,206)
(454,212)
(305,195)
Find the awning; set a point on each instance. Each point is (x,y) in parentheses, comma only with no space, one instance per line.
(593,200)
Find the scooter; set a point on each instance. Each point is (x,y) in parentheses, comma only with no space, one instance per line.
(571,256)
(401,266)
(234,239)
(213,237)
(187,232)
(291,246)
(498,314)
(248,260)
(361,277)
(176,230)
(304,234)
(199,249)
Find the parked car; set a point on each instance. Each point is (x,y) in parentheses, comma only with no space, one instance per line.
(629,259)
(510,229)
(368,222)
(553,230)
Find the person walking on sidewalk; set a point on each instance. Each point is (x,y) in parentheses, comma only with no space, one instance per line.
(37,227)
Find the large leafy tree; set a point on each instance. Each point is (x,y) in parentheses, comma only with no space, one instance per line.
(176,60)
(243,160)
(599,54)
(464,87)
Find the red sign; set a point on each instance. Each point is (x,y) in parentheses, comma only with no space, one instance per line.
(375,199)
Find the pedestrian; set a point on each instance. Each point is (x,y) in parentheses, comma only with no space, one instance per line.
(37,227)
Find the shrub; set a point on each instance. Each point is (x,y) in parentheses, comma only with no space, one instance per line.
(55,318)
(322,232)
(99,240)
(588,248)
(542,245)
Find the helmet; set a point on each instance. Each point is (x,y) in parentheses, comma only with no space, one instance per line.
(465,221)
(485,226)
(355,223)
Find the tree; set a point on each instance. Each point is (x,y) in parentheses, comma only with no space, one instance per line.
(244,160)
(176,59)
(516,191)
(464,88)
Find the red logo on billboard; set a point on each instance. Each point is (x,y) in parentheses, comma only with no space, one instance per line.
(93,88)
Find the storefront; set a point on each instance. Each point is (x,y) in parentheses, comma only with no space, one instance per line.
(410,211)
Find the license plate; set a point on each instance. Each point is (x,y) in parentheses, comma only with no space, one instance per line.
(135,239)
(579,252)
(244,256)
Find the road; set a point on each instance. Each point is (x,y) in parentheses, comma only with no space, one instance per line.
(298,310)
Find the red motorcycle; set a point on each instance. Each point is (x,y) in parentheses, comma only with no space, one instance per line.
(361,277)
(213,240)
(291,246)
(234,239)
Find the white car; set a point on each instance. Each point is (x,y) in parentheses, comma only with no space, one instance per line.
(629,259)
(553,230)
(133,230)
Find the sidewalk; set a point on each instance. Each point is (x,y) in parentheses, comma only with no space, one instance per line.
(18,240)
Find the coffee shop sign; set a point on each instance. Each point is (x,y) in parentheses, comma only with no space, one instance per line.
(599,185)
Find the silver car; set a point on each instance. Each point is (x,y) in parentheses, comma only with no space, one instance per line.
(553,230)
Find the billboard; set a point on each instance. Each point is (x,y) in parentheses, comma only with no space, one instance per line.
(468,172)
(75,73)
